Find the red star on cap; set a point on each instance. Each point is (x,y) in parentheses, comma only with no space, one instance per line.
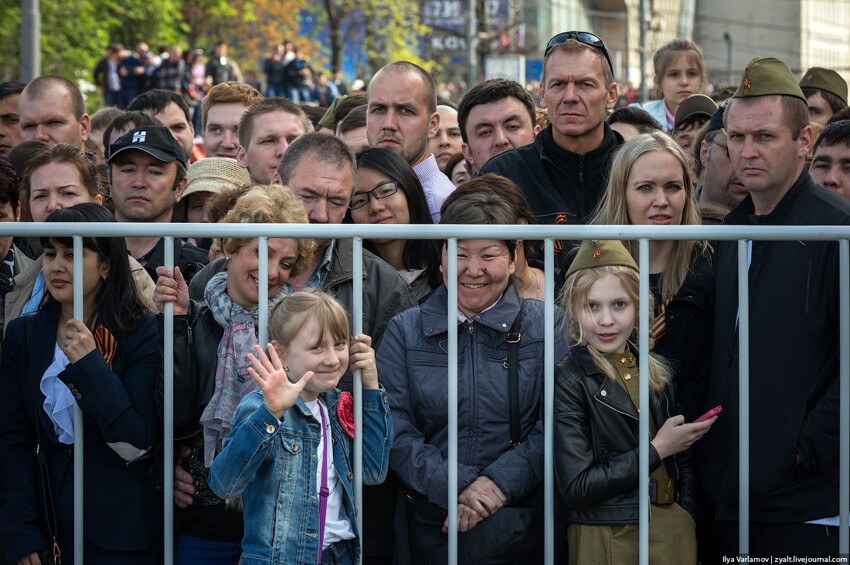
(746,83)
(597,253)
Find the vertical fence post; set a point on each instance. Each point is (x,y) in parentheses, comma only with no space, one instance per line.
(357,311)
(844,451)
(263,295)
(744,399)
(643,425)
(451,277)
(549,402)
(78,414)
(168,416)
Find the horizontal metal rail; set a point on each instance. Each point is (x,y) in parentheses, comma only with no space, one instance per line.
(453,233)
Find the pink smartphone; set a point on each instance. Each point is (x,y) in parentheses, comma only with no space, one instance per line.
(709,415)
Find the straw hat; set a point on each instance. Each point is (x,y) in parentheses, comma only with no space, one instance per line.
(215,174)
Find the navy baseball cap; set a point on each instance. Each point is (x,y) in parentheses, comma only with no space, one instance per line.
(156,141)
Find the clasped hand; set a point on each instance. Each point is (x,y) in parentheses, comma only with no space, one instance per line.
(479,500)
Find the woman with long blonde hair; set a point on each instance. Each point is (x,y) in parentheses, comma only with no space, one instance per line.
(650,184)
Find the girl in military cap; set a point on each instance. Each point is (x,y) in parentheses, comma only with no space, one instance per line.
(596,422)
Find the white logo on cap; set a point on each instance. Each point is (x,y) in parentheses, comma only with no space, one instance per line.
(139,137)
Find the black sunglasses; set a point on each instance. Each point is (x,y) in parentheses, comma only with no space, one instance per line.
(584,37)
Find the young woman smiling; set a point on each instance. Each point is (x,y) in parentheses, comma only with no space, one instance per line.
(388,192)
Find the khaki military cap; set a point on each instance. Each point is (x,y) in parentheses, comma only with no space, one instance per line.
(825,79)
(765,76)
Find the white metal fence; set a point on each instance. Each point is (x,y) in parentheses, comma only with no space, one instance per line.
(453,233)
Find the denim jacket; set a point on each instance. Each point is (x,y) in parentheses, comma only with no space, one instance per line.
(272,465)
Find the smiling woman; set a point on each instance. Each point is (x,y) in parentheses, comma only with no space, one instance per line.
(499,508)
(210,368)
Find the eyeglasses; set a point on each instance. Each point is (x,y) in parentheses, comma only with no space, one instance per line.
(584,37)
(383,190)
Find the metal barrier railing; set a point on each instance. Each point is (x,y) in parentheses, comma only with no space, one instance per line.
(453,233)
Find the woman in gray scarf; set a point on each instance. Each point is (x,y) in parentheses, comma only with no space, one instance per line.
(211,339)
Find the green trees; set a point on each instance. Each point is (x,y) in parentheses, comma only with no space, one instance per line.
(75,33)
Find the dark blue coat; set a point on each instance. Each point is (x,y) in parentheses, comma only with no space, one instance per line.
(122,512)
(413,367)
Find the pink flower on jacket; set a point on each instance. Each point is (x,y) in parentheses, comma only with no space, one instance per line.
(345,412)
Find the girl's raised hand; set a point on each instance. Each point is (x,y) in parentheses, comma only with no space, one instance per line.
(363,357)
(675,435)
(171,288)
(279,393)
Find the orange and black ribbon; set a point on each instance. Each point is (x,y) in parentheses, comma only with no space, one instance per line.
(106,344)
(659,325)
(558,244)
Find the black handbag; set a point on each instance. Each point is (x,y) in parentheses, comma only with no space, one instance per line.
(52,556)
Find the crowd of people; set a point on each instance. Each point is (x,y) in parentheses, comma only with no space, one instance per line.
(264,432)
(122,74)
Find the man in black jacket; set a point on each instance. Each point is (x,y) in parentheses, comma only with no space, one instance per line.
(565,170)
(794,347)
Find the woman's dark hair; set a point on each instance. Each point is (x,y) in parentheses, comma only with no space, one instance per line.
(8,184)
(418,253)
(452,163)
(484,207)
(507,189)
(637,117)
(118,305)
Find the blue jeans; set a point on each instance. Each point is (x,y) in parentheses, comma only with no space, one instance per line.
(112,98)
(199,551)
(276,90)
(299,94)
(339,553)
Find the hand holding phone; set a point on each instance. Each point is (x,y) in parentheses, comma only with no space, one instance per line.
(709,415)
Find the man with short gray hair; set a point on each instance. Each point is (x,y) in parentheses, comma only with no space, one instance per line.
(563,173)
(52,109)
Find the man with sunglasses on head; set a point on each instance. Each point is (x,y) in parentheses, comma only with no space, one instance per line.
(564,171)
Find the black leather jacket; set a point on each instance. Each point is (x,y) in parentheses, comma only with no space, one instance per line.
(596,445)
(196,339)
